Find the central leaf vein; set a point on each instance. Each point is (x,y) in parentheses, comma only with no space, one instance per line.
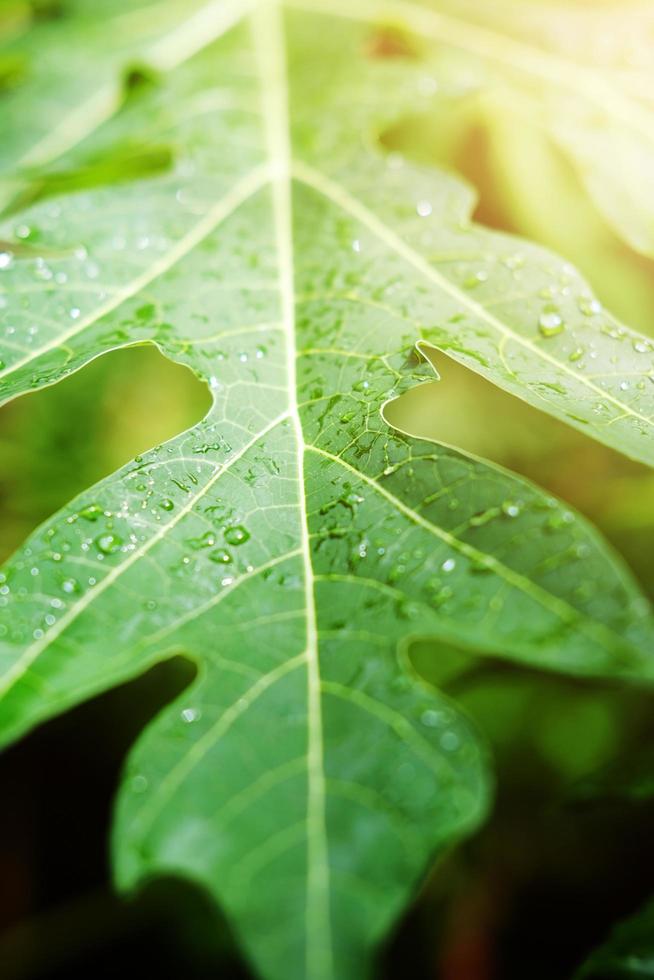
(269,41)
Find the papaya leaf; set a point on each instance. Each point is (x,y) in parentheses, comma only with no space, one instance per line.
(292,544)
(511,311)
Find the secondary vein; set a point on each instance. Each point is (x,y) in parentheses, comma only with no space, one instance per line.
(339,196)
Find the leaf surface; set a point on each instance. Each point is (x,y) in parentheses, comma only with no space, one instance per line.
(291,543)
(511,311)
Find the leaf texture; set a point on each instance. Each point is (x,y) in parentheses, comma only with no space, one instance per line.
(291,543)
(513,312)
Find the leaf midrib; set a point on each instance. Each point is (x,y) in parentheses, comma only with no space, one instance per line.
(239,194)
(243,191)
(268,32)
(169,52)
(278,173)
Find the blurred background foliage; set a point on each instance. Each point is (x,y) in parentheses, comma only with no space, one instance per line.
(568,849)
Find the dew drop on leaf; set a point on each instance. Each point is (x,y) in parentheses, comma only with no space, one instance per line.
(206,540)
(589,306)
(220,556)
(236,535)
(108,543)
(550,324)
(449,741)
(91,513)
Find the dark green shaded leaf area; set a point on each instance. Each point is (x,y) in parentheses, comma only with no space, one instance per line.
(231,203)
(627,954)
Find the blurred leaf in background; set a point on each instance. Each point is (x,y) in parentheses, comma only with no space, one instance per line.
(629,952)
(56,443)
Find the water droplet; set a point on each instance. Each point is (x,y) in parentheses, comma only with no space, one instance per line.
(450,741)
(550,324)
(205,540)
(108,543)
(448,565)
(589,306)
(91,513)
(166,504)
(236,535)
(476,279)
(407,609)
(560,519)
(424,208)
(220,556)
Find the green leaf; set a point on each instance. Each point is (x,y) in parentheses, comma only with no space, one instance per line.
(628,954)
(291,543)
(584,75)
(513,312)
